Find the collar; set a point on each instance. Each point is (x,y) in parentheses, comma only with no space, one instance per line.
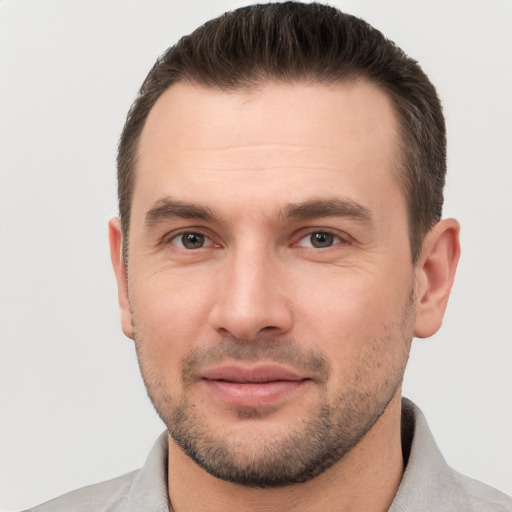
(428,482)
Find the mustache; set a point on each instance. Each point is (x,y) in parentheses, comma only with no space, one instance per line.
(285,352)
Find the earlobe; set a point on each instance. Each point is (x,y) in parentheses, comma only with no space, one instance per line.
(435,272)
(120,270)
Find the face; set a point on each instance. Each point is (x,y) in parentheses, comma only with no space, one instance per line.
(270,283)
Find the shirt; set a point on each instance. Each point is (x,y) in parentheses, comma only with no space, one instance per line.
(428,483)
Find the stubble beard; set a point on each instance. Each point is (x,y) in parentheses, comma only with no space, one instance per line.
(313,443)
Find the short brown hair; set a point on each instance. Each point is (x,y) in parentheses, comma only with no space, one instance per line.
(314,43)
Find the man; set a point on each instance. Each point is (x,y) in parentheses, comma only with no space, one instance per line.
(280,242)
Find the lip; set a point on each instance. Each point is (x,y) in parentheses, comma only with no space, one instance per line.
(250,374)
(255,386)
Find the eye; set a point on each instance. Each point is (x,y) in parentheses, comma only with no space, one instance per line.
(190,240)
(319,240)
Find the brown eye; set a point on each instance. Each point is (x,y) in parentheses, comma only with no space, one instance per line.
(190,240)
(320,240)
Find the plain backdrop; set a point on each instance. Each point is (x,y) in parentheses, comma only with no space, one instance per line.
(73,407)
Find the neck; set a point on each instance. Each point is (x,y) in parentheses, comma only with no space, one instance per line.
(367,478)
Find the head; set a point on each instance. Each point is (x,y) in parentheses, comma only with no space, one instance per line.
(280,186)
(304,43)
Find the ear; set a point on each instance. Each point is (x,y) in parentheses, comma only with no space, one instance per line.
(435,271)
(116,254)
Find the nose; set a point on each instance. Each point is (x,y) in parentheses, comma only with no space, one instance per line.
(251,298)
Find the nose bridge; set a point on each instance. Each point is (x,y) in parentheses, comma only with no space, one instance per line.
(251,298)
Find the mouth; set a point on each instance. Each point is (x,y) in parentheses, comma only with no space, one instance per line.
(256,386)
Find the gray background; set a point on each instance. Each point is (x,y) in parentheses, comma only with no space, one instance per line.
(73,407)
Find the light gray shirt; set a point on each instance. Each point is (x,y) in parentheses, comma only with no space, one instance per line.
(428,483)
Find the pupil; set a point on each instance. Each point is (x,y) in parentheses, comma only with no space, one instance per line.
(193,240)
(322,239)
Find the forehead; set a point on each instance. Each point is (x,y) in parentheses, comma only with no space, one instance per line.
(276,135)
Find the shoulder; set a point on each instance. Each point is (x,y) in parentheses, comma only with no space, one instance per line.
(106,496)
(481,497)
(140,490)
(429,483)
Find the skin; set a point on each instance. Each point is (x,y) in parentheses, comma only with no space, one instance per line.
(258,291)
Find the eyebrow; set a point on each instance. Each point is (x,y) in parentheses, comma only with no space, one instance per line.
(334,207)
(168,208)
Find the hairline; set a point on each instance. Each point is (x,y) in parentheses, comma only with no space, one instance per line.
(404,152)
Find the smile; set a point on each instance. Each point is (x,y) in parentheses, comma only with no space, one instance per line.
(252,387)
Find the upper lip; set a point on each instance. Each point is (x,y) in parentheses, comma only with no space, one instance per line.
(250,374)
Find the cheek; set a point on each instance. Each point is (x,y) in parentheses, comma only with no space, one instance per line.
(169,322)
(354,314)
(170,311)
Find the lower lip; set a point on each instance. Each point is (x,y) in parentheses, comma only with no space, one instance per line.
(253,394)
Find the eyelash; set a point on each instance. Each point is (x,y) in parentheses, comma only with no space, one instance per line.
(338,239)
(341,238)
(168,240)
